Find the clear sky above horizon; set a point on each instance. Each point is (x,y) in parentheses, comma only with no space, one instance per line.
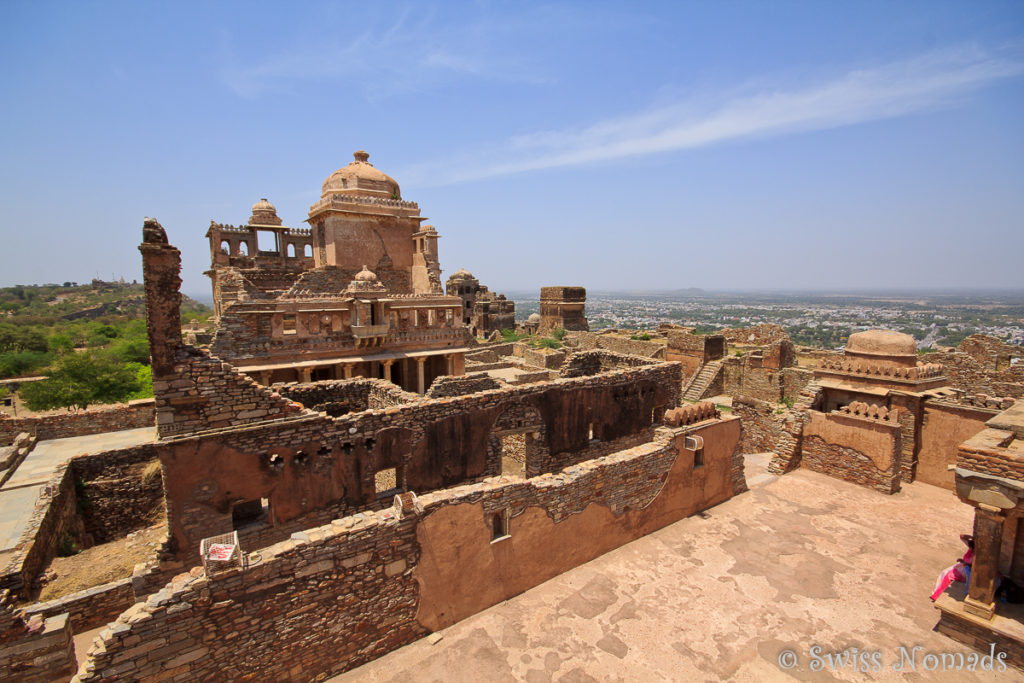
(725,145)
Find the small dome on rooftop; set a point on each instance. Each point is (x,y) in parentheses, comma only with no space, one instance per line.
(361,178)
(263,205)
(881,343)
(366,275)
(534,318)
(462,273)
(264,213)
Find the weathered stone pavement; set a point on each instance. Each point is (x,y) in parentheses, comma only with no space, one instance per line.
(19,494)
(799,561)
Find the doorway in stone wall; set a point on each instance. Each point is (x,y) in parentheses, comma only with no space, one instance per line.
(516,440)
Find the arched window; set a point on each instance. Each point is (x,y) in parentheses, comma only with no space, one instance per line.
(307,251)
(225,247)
(243,248)
(291,250)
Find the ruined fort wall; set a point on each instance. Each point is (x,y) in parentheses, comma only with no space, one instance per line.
(875,462)
(769,428)
(587,341)
(42,654)
(55,514)
(969,375)
(95,420)
(89,608)
(944,428)
(348,592)
(739,378)
(116,493)
(316,462)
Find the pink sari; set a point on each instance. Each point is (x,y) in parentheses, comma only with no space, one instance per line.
(961,571)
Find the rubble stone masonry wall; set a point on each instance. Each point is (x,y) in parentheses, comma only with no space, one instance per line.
(352,590)
(118,491)
(768,428)
(967,374)
(89,608)
(41,654)
(875,463)
(631,347)
(94,420)
(314,463)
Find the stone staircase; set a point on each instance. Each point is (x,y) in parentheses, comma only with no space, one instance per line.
(700,383)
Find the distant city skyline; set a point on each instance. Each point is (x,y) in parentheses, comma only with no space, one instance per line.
(724,146)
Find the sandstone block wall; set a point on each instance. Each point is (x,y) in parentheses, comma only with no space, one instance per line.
(945,426)
(460,386)
(967,374)
(40,652)
(90,608)
(54,516)
(587,341)
(770,428)
(875,463)
(95,420)
(345,593)
(308,465)
(115,492)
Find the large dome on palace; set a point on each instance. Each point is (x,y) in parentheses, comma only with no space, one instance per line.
(361,178)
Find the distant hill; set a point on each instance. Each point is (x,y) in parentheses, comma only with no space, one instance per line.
(51,303)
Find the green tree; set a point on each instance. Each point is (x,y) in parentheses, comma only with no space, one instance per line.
(81,379)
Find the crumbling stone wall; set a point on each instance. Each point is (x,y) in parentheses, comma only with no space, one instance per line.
(55,515)
(95,420)
(315,463)
(991,353)
(118,491)
(968,375)
(767,427)
(583,363)
(757,335)
(874,463)
(200,392)
(586,341)
(35,650)
(357,394)
(539,358)
(89,608)
(460,386)
(380,580)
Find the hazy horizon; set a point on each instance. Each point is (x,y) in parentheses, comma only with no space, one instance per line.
(742,147)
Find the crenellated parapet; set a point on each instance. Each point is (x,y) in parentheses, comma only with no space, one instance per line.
(859,367)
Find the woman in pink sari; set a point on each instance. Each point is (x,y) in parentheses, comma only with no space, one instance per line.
(961,571)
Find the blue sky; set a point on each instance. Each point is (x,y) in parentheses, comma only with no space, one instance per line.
(723,145)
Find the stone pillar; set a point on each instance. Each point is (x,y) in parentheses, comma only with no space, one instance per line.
(161,265)
(306,375)
(265,378)
(420,378)
(988,537)
(449,364)
(386,364)
(347,369)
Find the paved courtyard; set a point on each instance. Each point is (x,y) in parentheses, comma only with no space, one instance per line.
(19,494)
(799,561)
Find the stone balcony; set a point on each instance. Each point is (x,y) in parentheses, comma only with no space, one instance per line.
(370,335)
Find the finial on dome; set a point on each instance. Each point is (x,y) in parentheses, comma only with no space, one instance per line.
(361,156)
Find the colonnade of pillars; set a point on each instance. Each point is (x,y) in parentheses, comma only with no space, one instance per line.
(348,371)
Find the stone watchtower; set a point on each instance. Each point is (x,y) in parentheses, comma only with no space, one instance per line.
(563,307)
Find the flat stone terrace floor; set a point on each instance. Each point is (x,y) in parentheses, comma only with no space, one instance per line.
(19,494)
(799,561)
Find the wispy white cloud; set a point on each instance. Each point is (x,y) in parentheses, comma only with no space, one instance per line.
(925,82)
(410,53)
